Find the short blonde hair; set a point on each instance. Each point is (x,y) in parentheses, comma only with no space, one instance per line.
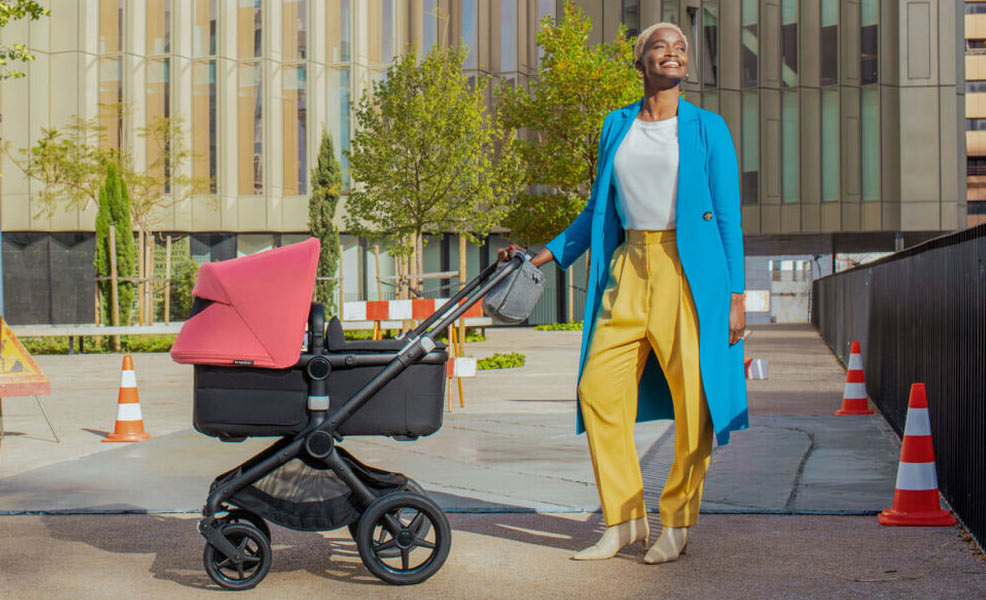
(638,48)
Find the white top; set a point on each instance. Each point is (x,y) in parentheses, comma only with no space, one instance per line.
(646,167)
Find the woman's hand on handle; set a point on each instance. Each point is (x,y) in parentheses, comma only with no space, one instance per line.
(545,255)
(737,317)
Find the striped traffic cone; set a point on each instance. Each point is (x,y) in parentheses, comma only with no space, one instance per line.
(916,493)
(129,422)
(854,397)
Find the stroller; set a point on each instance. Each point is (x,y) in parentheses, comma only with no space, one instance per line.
(253,378)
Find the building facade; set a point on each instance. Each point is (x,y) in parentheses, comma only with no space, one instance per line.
(975,108)
(845,115)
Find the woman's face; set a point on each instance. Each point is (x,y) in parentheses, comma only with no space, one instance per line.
(665,56)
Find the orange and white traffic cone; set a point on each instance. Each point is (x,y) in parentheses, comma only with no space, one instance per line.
(129,422)
(916,493)
(854,397)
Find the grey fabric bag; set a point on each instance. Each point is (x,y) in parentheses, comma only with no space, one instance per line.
(513,299)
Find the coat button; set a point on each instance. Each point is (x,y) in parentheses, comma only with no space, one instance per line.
(707,216)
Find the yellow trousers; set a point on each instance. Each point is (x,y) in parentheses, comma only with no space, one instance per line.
(647,305)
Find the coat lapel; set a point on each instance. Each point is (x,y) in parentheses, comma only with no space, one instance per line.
(688,153)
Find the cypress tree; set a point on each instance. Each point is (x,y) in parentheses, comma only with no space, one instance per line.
(114,211)
(326,187)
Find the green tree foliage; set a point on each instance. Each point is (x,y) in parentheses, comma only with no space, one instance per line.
(114,211)
(425,156)
(562,115)
(183,275)
(15,10)
(326,187)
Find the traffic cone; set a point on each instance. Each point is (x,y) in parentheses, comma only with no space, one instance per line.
(854,397)
(916,493)
(129,422)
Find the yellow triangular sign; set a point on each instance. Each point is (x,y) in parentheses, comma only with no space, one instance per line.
(20,375)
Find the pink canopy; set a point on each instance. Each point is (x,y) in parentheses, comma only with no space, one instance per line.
(258,312)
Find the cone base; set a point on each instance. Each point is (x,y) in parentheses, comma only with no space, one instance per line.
(938,518)
(854,411)
(127,437)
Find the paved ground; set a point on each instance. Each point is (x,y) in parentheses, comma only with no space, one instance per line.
(511,451)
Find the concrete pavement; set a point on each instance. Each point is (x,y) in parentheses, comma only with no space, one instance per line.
(511,450)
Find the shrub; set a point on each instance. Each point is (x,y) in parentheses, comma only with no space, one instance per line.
(570,326)
(501,361)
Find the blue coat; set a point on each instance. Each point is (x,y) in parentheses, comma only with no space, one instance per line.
(710,244)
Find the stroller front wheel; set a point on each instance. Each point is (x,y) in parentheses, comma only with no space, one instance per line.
(255,549)
(403,538)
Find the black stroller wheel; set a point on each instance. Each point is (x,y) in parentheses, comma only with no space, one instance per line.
(414,487)
(239,515)
(396,522)
(254,546)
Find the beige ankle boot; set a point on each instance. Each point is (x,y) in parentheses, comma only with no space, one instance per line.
(672,542)
(615,538)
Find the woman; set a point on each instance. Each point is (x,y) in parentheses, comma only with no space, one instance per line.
(663,324)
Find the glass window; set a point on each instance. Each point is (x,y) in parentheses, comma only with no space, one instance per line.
(710,43)
(294,29)
(869,41)
(751,43)
(975,86)
(381,31)
(669,13)
(546,8)
(751,148)
(830,145)
(337,30)
(975,124)
(249,33)
(508,35)
(158,107)
(975,8)
(111,101)
(429,25)
(789,43)
(338,117)
(710,101)
(829,54)
(469,33)
(870,149)
(250,130)
(294,113)
(204,28)
(252,243)
(110,26)
(630,16)
(790,150)
(692,32)
(158,26)
(204,121)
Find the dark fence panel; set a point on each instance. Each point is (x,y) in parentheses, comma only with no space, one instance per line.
(920,316)
(48,277)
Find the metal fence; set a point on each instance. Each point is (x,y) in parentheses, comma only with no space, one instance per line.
(920,316)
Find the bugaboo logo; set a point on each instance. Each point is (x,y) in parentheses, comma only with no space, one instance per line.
(243,363)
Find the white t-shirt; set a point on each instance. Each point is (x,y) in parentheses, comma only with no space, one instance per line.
(646,167)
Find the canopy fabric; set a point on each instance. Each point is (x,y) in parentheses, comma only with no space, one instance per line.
(258,311)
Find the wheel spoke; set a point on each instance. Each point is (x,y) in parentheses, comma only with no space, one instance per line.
(393,524)
(423,543)
(239,570)
(405,558)
(416,522)
(386,545)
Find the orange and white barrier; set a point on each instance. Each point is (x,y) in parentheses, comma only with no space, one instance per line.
(854,399)
(756,368)
(916,494)
(397,310)
(129,420)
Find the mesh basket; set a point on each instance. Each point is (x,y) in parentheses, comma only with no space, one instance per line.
(304,494)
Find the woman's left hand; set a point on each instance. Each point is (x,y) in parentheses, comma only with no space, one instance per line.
(737,318)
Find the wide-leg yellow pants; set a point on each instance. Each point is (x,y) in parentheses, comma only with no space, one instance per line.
(647,305)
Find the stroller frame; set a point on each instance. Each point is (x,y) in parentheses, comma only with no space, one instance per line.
(320,435)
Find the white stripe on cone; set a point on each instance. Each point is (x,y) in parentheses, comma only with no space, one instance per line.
(917,476)
(855,362)
(129,411)
(855,391)
(128,379)
(917,422)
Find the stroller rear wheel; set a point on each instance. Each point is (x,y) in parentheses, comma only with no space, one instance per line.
(414,487)
(239,515)
(245,574)
(410,524)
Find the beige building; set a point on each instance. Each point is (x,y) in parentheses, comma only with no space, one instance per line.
(846,115)
(975,108)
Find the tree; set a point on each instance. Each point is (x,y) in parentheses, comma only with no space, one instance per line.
(114,211)
(15,10)
(562,115)
(427,156)
(326,187)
